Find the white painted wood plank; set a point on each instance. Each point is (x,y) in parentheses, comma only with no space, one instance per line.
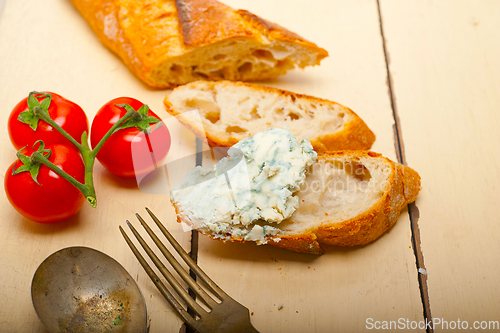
(445,65)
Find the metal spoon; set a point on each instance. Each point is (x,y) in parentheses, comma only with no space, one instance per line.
(79,289)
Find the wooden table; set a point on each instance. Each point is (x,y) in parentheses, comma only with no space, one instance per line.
(424,75)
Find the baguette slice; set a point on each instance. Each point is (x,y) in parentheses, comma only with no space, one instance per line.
(232,111)
(349,198)
(172,42)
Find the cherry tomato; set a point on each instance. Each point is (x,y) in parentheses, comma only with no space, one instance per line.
(54,199)
(65,113)
(128,152)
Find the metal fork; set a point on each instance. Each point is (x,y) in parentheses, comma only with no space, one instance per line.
(225,314)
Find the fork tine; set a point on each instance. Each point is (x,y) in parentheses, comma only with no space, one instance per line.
(166,273)
(199,272)
(161,287)
(175,264)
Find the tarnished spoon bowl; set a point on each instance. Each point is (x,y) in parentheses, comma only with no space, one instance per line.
(79,289)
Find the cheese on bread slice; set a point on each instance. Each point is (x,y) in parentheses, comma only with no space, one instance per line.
(348,198)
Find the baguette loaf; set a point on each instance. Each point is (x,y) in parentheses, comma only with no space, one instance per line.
(231,111)
(172,42)
(349,198)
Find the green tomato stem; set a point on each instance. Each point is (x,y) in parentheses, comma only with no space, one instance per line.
(127,115)
(88,155)
(42,115)
(87,191)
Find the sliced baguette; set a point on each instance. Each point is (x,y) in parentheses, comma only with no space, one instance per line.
(349,198)
(172,42)
(231,111)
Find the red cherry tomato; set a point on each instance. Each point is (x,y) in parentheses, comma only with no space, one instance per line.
(55,199)
(65,113)
(128,152)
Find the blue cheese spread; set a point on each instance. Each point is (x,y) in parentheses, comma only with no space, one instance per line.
(247,194)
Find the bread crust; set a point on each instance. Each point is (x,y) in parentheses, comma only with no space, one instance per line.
(355,136)
(277,32)
(205,22)
(403,187)
(150,35)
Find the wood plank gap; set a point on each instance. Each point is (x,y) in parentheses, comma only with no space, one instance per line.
(194,233)
(193,253)
(412,207)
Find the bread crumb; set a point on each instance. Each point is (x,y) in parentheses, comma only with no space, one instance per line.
(296,311)
(308,267)
(280,306)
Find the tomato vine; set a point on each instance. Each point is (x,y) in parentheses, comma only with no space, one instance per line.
(38,111)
